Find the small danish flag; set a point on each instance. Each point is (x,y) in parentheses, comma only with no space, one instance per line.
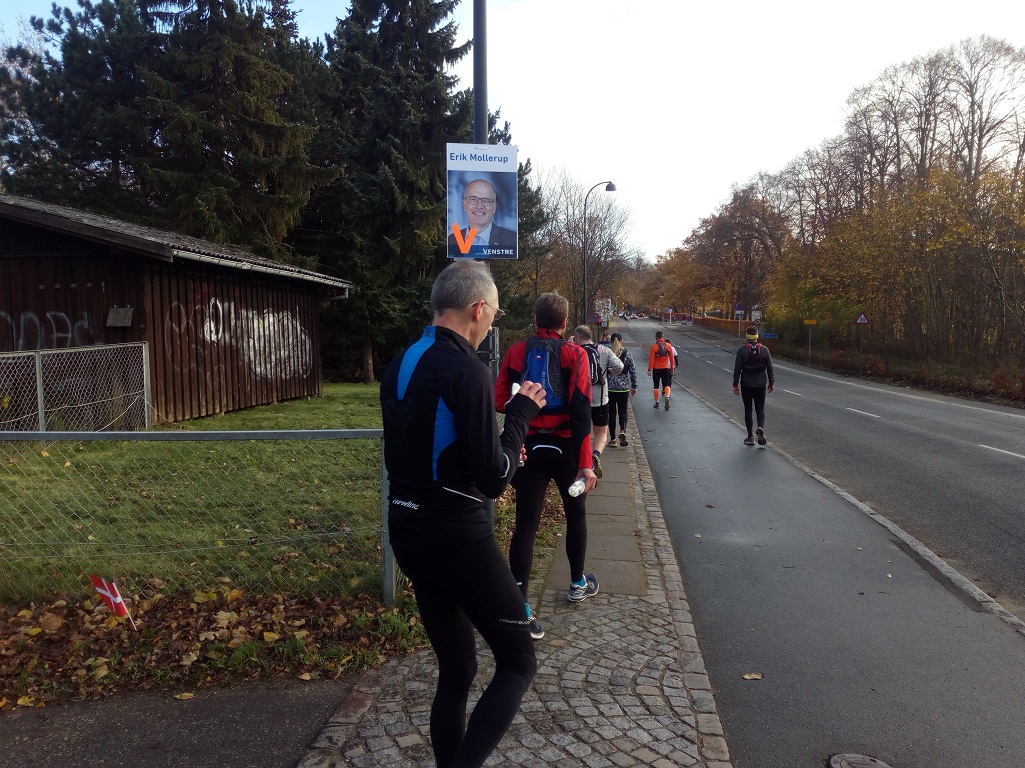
(110,595)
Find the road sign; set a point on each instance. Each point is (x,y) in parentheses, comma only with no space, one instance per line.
(770,335)
(810,321)
(740,307)
(862,320)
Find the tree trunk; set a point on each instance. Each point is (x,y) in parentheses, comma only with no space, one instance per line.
(368,360)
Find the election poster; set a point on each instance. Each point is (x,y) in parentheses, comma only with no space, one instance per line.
(482,202)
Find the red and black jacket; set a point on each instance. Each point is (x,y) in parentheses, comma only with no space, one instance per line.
(576,423)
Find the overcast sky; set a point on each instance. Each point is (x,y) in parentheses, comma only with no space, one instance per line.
(677,100)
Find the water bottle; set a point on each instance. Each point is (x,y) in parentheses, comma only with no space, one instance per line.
(578,487)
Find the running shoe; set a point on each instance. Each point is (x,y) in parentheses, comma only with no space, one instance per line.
(622,439)
(578,592)
(761,436)
(596,464)
(749,441)
(667,402)
(656,403)
(537,631)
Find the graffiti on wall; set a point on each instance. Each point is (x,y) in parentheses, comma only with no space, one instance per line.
(273,344)
(28,331)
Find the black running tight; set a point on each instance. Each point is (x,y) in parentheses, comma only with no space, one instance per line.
(754,398)
(618,403)
(458,588)
(548,458)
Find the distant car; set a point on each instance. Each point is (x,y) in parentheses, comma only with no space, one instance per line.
(641,315)
(633,316)
(622,315)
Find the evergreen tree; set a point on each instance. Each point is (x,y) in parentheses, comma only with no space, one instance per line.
(174,113)
(73,130)
(229,166)
(382,223)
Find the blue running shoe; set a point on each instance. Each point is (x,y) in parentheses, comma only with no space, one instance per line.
(583,590)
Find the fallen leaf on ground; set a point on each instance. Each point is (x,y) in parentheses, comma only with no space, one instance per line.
(753,676)
(50,623)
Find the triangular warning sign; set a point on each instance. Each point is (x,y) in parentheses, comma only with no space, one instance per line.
(862,320)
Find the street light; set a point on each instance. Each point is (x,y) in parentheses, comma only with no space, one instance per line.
(609,187)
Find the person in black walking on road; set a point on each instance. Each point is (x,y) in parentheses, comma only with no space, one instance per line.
(445,457)
(751,372)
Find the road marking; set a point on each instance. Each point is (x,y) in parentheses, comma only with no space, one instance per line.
(908,395)
(791,392)
(863,413)
(1001,450)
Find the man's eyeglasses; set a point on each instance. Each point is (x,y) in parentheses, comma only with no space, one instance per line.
(487,202)
(499,313)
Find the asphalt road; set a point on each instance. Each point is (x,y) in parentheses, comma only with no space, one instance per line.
(946,470)
(860,645)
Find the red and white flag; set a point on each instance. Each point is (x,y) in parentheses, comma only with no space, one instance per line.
(108,591)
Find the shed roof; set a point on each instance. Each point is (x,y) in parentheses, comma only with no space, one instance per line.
(149,241)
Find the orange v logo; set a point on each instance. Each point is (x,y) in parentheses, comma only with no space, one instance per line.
(463,244)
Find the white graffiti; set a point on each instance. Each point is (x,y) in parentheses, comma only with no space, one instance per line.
(274,344)
(29,332)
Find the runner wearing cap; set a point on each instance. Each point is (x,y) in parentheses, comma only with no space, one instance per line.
(751,372)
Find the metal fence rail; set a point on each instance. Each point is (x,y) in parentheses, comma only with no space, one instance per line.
(293,511)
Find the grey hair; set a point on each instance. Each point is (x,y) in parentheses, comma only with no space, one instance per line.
(551,311)
(460,284)
(583,332)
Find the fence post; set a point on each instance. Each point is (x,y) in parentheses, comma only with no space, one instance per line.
(387,556)
(147,390)
(40,398)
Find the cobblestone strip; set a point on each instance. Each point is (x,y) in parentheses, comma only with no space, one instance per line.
(620,682)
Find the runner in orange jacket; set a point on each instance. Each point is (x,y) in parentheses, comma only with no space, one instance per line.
(661,364)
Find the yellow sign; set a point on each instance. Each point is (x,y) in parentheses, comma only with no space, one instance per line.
(809,321)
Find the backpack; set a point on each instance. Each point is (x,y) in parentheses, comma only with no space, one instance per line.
(663,350)
(594,363)
(754,363)
(541,365)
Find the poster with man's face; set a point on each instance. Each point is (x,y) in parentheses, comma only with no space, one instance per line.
(482,202)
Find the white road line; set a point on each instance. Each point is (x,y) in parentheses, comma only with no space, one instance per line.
(907,395)
(1000,450)
(863,413)
(791,392)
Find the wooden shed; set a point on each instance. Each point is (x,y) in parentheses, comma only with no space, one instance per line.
(225,329)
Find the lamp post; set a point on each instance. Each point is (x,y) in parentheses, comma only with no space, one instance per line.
(609,187)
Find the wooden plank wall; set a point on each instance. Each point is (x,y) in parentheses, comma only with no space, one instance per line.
(220,338)
(223,341)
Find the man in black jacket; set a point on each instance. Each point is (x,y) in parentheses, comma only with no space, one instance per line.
(445,457)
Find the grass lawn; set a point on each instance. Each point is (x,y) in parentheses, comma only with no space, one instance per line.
(268,555)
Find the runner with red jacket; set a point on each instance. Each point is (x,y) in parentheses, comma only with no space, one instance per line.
(558,443)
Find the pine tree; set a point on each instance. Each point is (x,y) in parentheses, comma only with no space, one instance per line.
(229,166)
(382,224)
(174,113)
(74,130)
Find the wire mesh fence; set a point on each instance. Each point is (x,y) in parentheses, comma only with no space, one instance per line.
(100,387)
(287,511)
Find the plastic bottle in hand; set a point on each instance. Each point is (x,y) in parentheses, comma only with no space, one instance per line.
(578,487)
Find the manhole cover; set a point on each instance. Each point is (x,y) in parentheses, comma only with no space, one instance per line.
(855,761)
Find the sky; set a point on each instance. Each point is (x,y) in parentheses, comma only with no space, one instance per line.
(676,101)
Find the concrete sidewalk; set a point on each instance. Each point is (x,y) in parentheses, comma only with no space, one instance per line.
(621,681)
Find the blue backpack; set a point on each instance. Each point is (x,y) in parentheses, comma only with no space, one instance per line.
(541,365)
